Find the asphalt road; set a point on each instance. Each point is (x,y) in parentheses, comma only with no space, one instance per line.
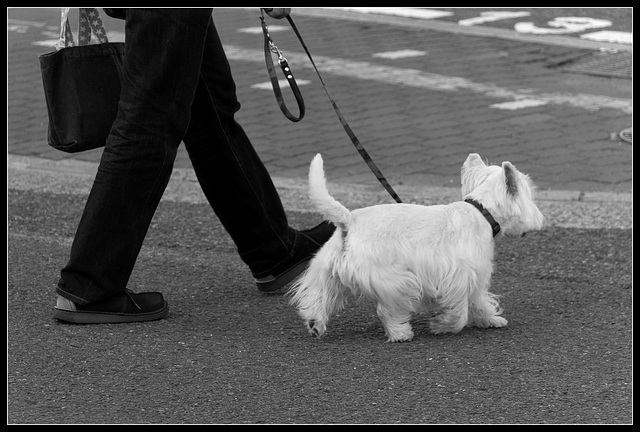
(229,354)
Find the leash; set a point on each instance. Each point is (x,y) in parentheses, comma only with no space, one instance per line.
(269,48)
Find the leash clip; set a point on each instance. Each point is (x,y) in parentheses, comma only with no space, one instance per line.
(272,46)
(274,49)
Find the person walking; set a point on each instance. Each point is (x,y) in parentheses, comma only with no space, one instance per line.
(177,87)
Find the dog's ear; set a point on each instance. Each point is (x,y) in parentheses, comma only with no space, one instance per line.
(474,160)
(511,178)
(470,173)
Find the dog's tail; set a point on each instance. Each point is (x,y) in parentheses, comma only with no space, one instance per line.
(331,209)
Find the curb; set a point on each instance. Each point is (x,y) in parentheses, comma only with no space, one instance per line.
(421,194)
(562,208)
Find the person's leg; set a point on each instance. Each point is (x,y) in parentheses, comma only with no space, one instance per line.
(163,54)
(236,182)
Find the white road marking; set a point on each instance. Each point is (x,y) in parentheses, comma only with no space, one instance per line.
(258,30)
(430,81)
(11,21)
(398,11)
(17,28)
(492,16)
(519,104)
(563,25)
(46,43)
(610,36)
(399,54)
(283,83)
(115,36)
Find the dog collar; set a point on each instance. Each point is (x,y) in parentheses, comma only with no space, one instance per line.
(495,226)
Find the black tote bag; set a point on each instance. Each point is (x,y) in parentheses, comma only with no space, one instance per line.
(82,85)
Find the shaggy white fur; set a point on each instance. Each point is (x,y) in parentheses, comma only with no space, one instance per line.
(411,258)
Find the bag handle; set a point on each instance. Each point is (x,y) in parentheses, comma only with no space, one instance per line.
(89,22)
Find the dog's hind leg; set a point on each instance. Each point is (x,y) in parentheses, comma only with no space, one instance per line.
(318,293)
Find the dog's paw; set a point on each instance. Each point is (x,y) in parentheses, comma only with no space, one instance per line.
(401,338)
(497,321)
(316,328)
(399,333)
(486,322)
(443,323)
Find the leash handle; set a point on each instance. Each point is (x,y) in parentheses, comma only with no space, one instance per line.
(352,136)
(269,48)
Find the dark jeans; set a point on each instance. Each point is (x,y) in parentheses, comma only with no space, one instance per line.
(177,87)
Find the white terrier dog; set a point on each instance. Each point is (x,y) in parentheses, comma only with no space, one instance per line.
(411,258)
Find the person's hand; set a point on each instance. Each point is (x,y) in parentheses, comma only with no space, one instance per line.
(277,13)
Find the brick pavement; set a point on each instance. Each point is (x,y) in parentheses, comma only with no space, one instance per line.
(417,136)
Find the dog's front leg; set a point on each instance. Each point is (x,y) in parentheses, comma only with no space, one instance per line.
(316,328)
(451,319)
(396,324)
(484,311)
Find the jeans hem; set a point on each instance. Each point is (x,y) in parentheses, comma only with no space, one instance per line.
(248,257)
(69,296)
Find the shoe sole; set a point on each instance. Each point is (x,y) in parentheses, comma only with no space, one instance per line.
(284,278)
(93,317)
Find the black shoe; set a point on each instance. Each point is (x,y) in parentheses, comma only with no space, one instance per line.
(311,241)
(123,308)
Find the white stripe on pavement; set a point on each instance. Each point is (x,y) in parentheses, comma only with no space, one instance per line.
(399,54)
(430,81)
(519,104)
(283,83)
(419,13)
(491,16)
(610,36)
(258,30)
